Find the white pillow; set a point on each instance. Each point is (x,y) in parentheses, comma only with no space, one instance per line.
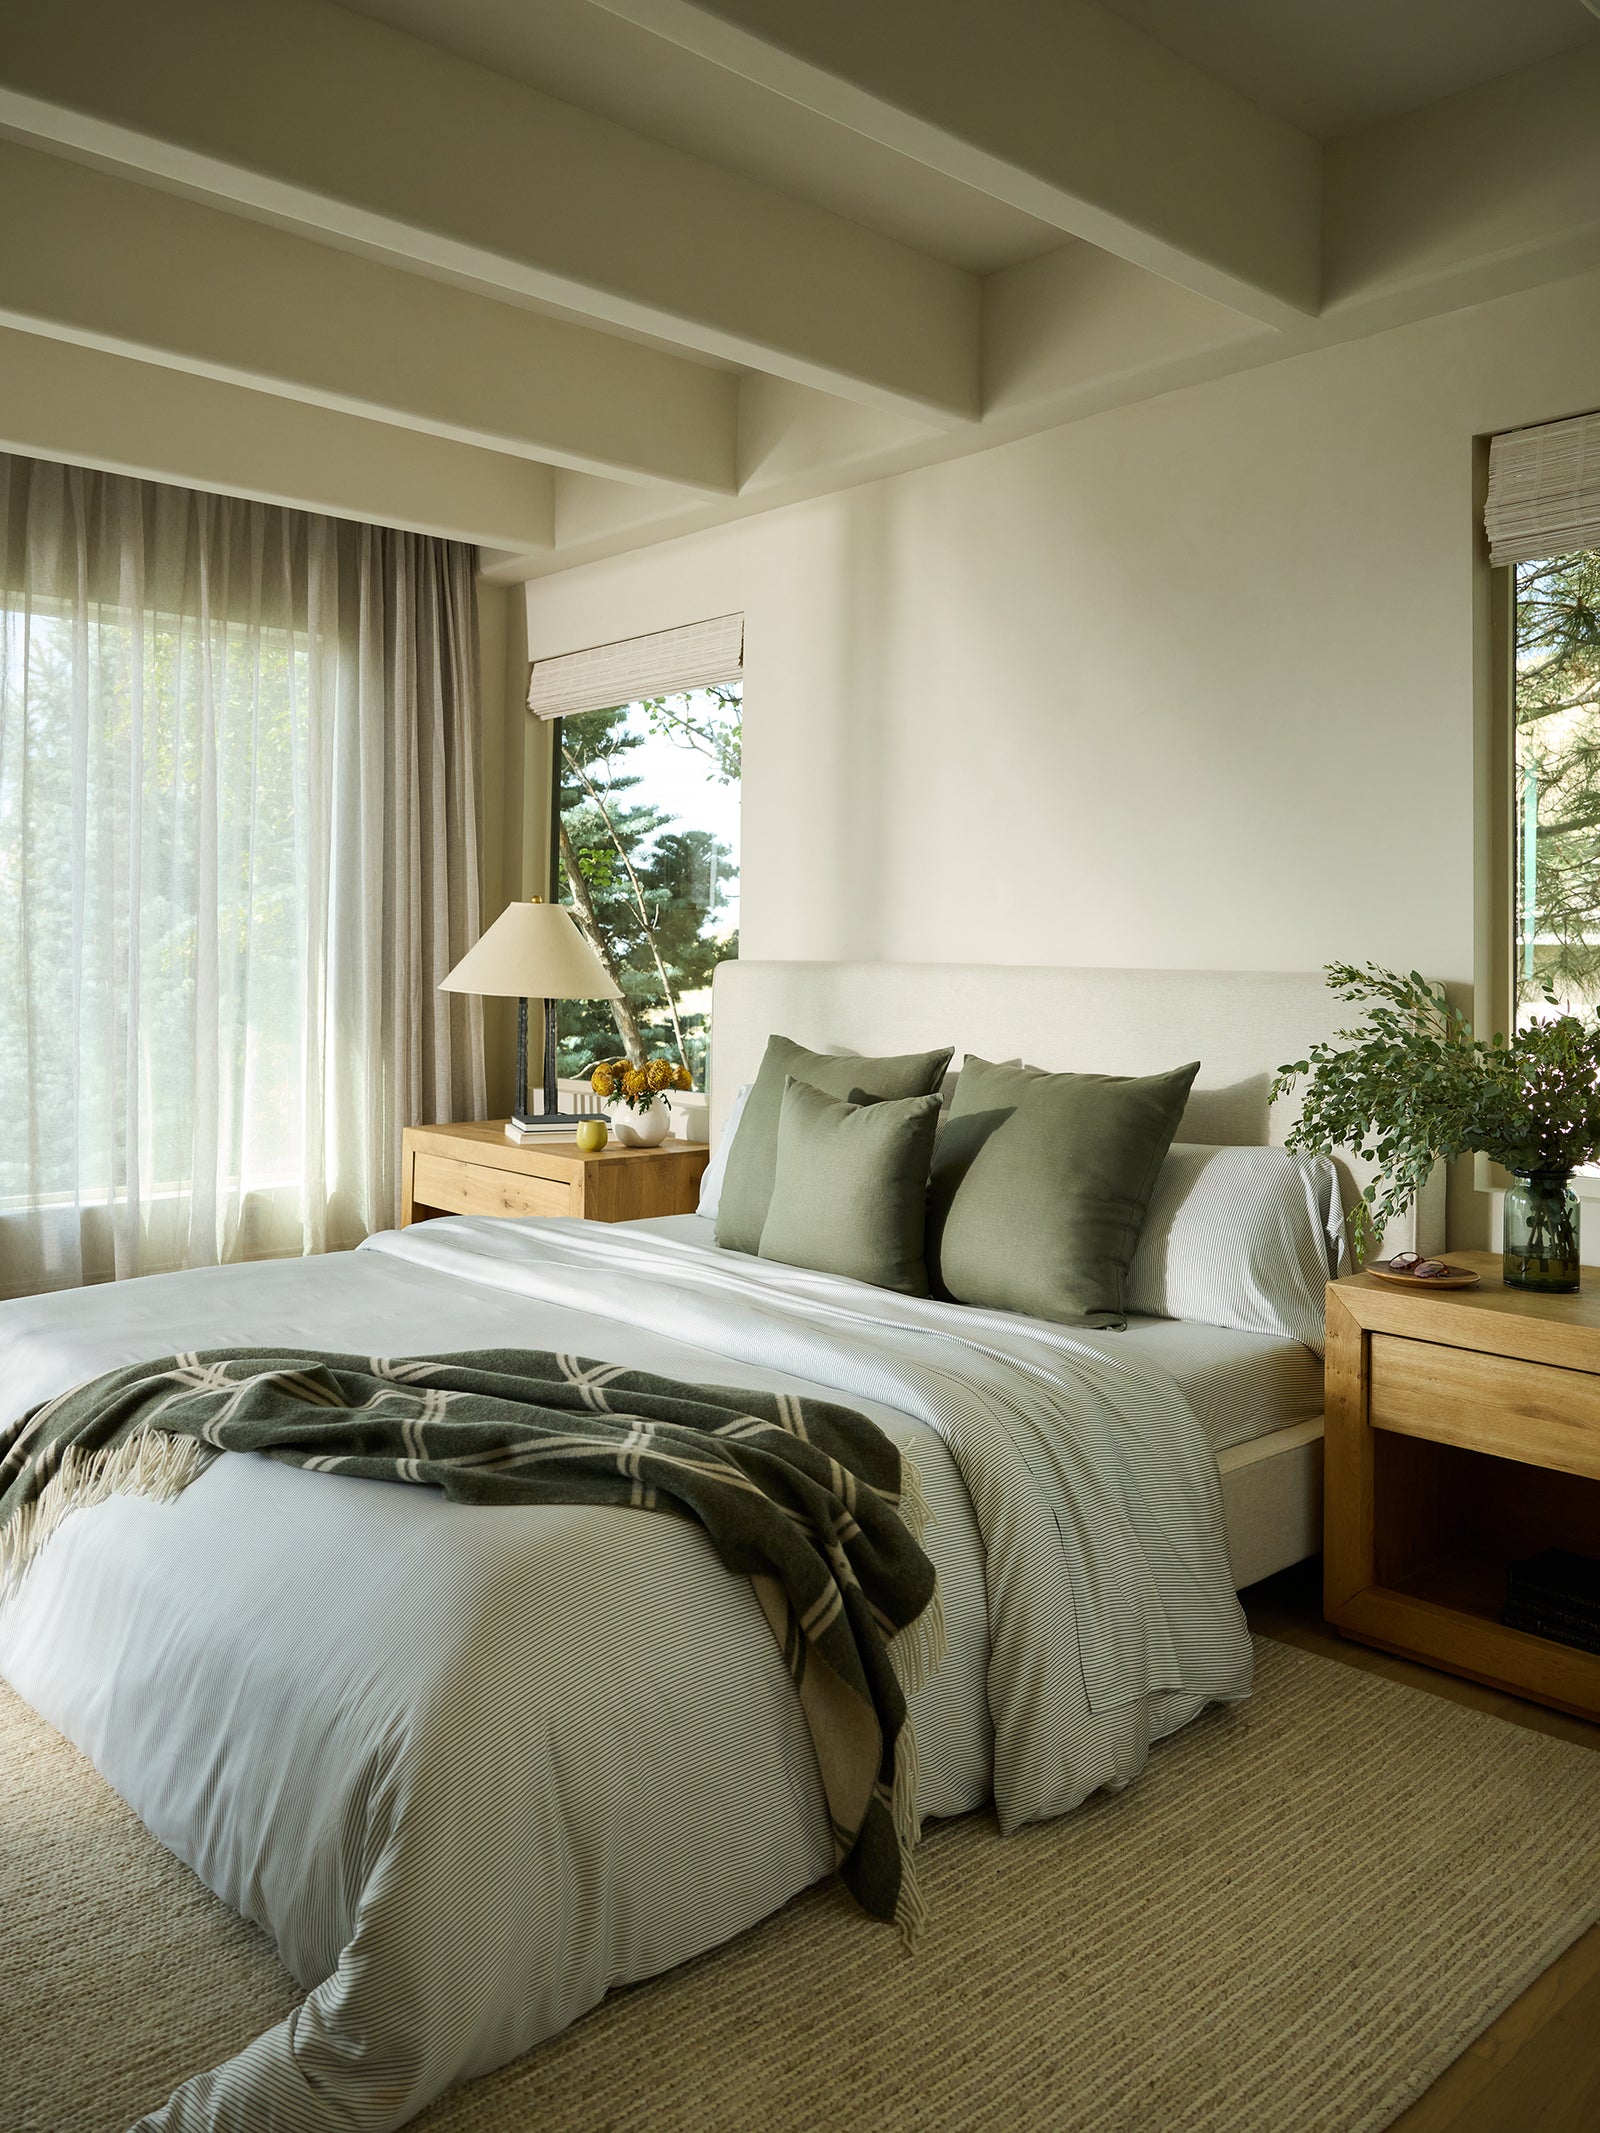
(711,1176)
(1241,1237)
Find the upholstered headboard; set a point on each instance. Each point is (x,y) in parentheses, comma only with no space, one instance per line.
(1240,1024)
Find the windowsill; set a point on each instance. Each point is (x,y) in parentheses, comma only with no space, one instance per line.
(102,1199)
(1588,1191)
(1488,1177)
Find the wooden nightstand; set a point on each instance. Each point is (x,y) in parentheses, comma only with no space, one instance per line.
(474,1170)
(1463,1433)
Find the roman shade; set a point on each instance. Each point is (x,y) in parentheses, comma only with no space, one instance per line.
(1544,491)
(663,664)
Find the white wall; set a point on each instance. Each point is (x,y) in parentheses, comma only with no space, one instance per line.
(1183,684)
(1189,683)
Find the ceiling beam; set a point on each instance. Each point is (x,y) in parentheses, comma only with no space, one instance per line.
(79,405)
(109,264)
(1058,108)
(1495,189)
(1071,333)
(303,114)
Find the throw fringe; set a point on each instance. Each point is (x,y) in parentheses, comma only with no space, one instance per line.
(916,1513)
(917,1651)
(910,1911)
(149,1463)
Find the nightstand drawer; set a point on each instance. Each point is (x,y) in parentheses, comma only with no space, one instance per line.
(1536,1413)
(475,1189)
(473,1169)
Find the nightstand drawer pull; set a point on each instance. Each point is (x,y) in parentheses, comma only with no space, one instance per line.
(475,1189)
(1533,1412)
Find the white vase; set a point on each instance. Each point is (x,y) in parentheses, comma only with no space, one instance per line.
(640,1129)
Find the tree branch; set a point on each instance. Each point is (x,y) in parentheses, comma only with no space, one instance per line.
(640,905)
(621,1008)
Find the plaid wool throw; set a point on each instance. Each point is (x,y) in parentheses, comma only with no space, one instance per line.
(808,1500)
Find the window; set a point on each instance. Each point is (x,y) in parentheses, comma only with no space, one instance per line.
(116,725)
(647,851)
(1556,784)
(238,797)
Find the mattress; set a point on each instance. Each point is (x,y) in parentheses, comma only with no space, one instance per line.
(1241,1385)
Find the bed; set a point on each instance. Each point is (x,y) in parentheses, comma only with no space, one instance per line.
(473,1767)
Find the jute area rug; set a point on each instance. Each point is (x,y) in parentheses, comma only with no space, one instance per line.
(1304,1910)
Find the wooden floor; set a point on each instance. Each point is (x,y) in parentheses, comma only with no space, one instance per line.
(1537,2069)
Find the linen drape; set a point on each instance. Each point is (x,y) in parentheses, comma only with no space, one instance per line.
(238,850)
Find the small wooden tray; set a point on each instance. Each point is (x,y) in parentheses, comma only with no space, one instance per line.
(1459,1277)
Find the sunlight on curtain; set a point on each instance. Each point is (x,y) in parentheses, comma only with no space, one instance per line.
(237,851)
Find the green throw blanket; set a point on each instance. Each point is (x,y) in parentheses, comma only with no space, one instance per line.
(810,1501)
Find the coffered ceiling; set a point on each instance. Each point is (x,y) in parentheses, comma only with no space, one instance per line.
(570,275)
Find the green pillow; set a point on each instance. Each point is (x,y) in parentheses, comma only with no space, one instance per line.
(752,1160)
(850,1191)
(1041,1183)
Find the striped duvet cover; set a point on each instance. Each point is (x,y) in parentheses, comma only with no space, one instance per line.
(471,1767)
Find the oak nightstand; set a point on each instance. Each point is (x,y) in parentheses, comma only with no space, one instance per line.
(474,1169)
(1463,1434)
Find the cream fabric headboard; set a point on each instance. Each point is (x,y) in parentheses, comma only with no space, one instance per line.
(1240,1024)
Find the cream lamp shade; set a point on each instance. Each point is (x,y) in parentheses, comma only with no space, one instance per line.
(534,951)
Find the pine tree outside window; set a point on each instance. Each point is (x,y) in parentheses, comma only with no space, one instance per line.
(647,854)
(1556,785)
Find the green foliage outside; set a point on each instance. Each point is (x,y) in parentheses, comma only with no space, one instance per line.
(1558,782)
(650,890)
(1413,1086)
(173,843)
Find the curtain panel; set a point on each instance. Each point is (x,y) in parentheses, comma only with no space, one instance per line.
(238,851)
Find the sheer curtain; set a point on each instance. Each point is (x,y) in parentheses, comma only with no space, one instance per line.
(238,850)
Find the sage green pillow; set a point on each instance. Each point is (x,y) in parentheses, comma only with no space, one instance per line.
(1041,1183)
(752,1160)
(850,1187)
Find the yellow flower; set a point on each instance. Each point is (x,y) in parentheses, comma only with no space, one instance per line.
(660,1074)
(682,1078)
(635,1083)
(603,1082)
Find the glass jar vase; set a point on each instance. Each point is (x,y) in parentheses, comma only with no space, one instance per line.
(1541,1234)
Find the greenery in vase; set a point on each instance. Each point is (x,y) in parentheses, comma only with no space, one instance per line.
(1413,1086)
(620,1081)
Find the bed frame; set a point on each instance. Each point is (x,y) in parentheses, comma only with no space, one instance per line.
(1242,1025)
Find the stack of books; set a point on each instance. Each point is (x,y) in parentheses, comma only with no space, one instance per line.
(1556,1594)
(557,1129)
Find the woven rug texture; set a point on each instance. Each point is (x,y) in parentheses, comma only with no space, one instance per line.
(1305,1909)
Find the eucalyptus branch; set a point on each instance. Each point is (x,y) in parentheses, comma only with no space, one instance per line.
(1412,1086)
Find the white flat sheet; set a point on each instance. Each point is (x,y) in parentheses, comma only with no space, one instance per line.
(1240,1385)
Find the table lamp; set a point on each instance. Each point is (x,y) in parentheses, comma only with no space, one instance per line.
(534,951)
